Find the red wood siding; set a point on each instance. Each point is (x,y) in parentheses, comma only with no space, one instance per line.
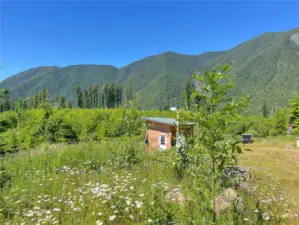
(159,129)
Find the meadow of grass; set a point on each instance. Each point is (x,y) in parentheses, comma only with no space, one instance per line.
(118,182)
(275,164)
(107,183)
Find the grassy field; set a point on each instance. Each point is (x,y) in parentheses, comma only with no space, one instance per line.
(276,159)
(120,183)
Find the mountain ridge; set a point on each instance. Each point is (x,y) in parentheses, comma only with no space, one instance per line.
(261,62)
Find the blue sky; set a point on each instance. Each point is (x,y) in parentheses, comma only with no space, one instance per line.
(117,33)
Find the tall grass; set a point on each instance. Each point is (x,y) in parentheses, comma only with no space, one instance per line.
(113,182)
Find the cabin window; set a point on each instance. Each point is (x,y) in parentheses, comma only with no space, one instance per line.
(162,140)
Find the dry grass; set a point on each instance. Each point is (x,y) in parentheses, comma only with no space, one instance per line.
(279,158)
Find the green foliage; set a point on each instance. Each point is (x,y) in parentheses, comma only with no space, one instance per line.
(294,115)
(131,119)
(187,94)
(280,120)
(56,129)
(261,127)
(212,153)
(5,103)
(79,97)
(265,110)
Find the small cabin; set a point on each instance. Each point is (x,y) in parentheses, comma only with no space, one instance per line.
(161,133)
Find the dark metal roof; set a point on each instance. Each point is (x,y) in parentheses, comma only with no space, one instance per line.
(168,121)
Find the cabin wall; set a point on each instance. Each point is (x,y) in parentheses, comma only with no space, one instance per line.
(159,129)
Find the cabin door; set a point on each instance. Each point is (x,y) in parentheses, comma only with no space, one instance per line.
(162,142)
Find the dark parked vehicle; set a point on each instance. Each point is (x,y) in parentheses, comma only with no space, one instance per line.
(246,138)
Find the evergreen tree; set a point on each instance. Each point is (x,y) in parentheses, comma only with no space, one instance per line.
(90,97)
(116,90)
(265,110)
(62,102)
(79,97)
(129,93)
(294,117)
(39,98)
(19,107)
(96,95)
(111,95)
(44,94)
(118,95)
(5,103)
(280,122)
(85,99)
(105,95)
(187,94)
(35,100)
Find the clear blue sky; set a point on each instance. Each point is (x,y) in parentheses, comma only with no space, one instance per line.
(117,33)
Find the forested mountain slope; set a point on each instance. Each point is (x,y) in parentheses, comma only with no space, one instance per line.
(266,67)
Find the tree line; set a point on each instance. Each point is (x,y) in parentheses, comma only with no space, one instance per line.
(109,96)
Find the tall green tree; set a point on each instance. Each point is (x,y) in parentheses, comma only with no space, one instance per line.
(90,97)
(96,95)
(111,95)
(118,95)
(79,97)
(62,102)
(280,119)
(129,93)
(35,100)
(265,110)
(187,94)
(85,99)
(294,114)
(105,95)
(5,103)
(19,108)
(45,97)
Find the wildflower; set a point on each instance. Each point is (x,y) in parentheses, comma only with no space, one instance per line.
(141,195)
(76,209)
(131,216)
(99,214)
(138,204)
(149,220)
(99,222)
(256,210)
(56,210)
(131,188)
(128,202)
(111,218)
(266,216)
